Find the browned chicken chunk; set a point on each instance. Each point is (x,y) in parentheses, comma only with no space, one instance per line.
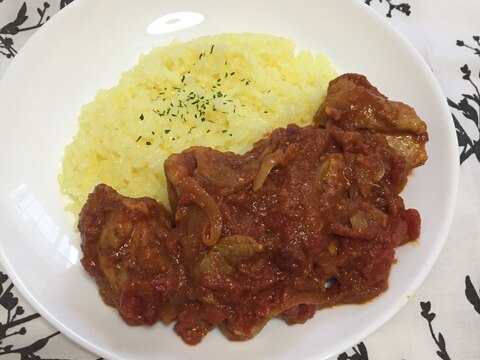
(125,248)
(352,103)
(309,218)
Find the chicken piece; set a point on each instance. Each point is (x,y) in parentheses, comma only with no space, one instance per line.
(352,103)
(309,218)
(125,248)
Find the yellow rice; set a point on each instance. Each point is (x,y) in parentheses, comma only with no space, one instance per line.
(224,91)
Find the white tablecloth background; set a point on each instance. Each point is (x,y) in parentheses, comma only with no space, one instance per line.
(446,33)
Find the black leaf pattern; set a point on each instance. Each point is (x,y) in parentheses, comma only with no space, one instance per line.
(64,3)
(442,356)
(439,340)
(476,39)
(360,353)
(471,294)
(404,8)
(12,27)
(469,109)
(15,325)
(8,31)
(7,300)
(29,351)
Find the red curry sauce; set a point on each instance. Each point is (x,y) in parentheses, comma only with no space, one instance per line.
(309,218)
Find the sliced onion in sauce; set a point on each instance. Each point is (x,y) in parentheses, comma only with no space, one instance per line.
(332,248)
(359,221)
(270,161)
(213,228)
(380,173)
(322,170)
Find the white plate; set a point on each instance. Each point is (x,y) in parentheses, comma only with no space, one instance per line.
(84,49)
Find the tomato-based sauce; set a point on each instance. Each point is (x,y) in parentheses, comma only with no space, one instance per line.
(309,218)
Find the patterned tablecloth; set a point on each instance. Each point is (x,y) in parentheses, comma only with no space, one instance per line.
(442,319)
